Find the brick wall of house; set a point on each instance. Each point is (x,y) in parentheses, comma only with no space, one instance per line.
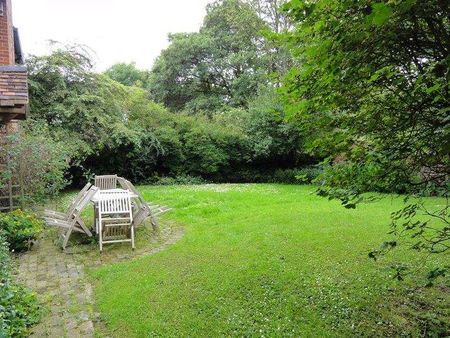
(13,99)
(13,78)
(6,34)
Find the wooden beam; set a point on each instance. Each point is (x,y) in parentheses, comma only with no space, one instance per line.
(13,110)
(7,103)
(5,118)
(6,115)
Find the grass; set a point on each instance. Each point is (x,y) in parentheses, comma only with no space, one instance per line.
(272,261)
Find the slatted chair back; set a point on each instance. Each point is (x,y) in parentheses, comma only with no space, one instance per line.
(65,215)
(142,208)
(127,185)
(106,182)
(114,202)
(115,217)
(84,201)
(74,221)
(78,198)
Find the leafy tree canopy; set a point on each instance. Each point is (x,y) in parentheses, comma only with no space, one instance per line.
(106,127)
(370,91)
(78,104)
(222,64)
(128,74)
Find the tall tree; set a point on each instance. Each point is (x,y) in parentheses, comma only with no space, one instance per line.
(128,75)
(223,64)
(278,22)
(270,11)
(371,87)
(85,110)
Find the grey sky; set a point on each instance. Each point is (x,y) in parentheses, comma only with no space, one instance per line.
(117,30)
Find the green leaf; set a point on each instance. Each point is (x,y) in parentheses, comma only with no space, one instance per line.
(434,88)
(380,13)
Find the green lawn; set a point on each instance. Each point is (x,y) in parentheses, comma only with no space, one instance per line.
(267,260)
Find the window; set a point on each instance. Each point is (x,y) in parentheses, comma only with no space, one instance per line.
(2,7)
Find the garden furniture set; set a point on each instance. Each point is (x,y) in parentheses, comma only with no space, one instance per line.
(118,210)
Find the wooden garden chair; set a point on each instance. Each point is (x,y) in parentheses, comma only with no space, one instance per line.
(115,218)
(70,210)
(73,222)
(106,182)
(142,208)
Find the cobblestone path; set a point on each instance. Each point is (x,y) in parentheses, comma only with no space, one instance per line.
(63,288)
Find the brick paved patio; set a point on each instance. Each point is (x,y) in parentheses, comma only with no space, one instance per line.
(62,286)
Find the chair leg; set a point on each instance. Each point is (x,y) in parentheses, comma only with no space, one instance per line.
(84,227)
(132,237)
(66,238)
(100,238)
(96,216)
(153,222)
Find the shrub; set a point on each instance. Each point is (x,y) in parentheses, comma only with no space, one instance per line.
(304,175)
(362,177)
(20,229)
(309,174)
(180,180)
(36,160)
(285,176)
(18,307)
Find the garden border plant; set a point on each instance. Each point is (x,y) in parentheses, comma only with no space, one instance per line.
(18,306)
(20,228)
